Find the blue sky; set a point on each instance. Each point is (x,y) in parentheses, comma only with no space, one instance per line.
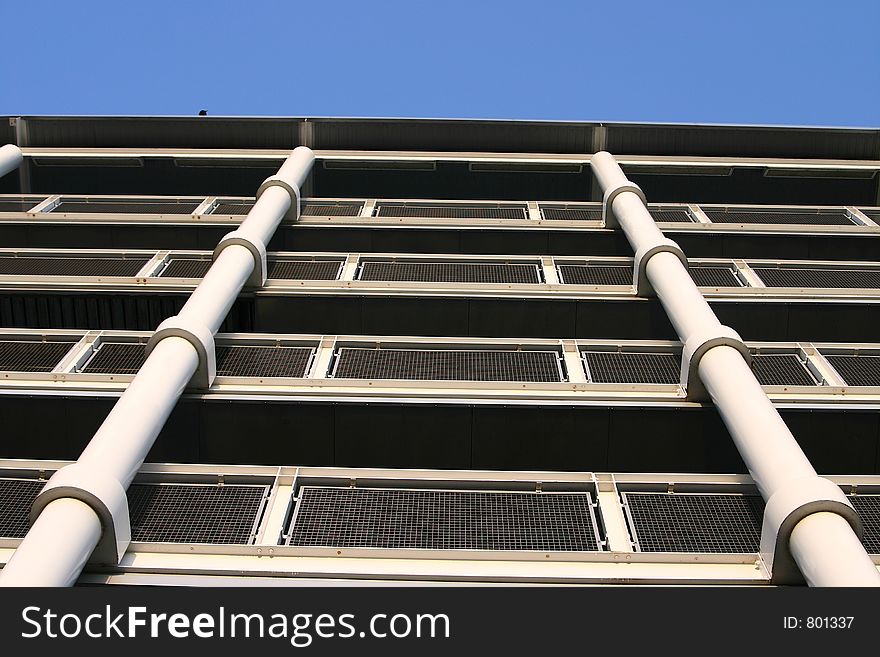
(815,63)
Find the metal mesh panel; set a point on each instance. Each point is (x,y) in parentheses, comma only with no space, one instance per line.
(16,498)
(671,216)
(857,370)
(307,270)
(781,370)
(443,520)
(51,266)
(186,268)
(685,522)
(26,356)
(868,508)
(632,367)
(452,211)
(331,210)
(595,274)
(233,207)
(447,365)
(18,205)
(828,278)
(571,214)
(835,218)
(201,513)
(714,276)
(450,272)
(265,361)
(122,206)
(117,358)
(874,215)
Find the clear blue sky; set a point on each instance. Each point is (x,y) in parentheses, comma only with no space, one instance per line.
(737,61)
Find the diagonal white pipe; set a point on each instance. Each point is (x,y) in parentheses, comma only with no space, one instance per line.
(10,159)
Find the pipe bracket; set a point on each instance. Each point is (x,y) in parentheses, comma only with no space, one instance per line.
(200,337)
(789,505)
(641,284)
(608,218)
(293,212)
(258,250)
(104,495)
(694,350)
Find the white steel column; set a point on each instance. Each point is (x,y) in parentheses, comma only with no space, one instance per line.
(10,159)
(827,550)
(90,495)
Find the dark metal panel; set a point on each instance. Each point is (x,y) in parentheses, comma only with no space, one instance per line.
(694,522)
(263,361)
(16,499)
(857,370)
(186,268)
(789,216)
(596,274)
(804,277)
(52,266)
(714,276)
(453,211)
(27,356)
(126,206)
(781,370)
(633,367)
(868,507)
(453,272)
(443,520)
(315,270)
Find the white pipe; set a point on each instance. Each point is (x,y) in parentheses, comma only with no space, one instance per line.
(56,547)
(762,438)
(830,554)
(124,439)
(10,159)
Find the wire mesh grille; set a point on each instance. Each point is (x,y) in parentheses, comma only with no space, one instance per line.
(764,216)
(571,213)
(233,207)
(452,211)
(267,361)
(781,370)
(450,272)
(447,365)
(695,522)
(120,206)
(186,268)
(857,370)
(16,498)
(306,270)
(331,210)
(595,274)
(18,205)
(633,367)
(26,356)
(874,215)
(187,513)
(714,276)
(679,216)
(50,266)
(443,520)
(117,358)
(868,508)
(827,278)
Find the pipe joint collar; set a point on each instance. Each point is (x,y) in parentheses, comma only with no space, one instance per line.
(200,337)
(641,284)
(291,188)
(694,350)
(104,494)
(608,218)
(258,250)
(789,505)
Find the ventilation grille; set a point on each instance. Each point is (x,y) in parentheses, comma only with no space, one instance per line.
(233,207)
(632,367)
(246,361)
(19,204)
(595,274)
(781,370)
(331,209)
(23,356)
(16,498)
(816,218)
(438,211)
(857,370)
(46,266)
(874,215)
(305,270)
(268,361)
(443,520)
(450,272)
(826,278)
(685,522)
(868,508)
(186,268)
(447,365)
(124,206)
(679,216)
(195,513)
(714,276)
(570,213)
